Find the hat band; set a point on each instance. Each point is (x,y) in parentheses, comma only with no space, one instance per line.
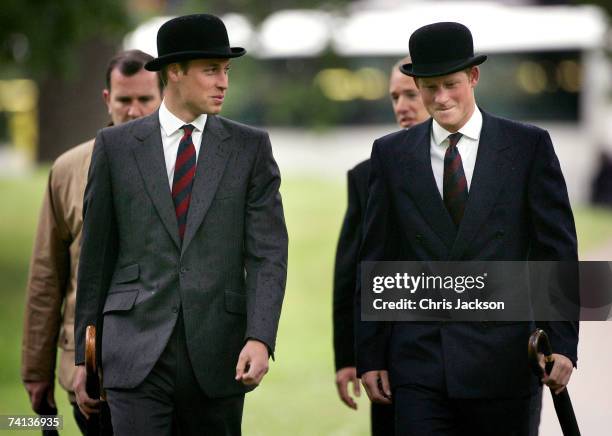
(437,66)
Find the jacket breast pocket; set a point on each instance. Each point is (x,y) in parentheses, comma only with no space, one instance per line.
(120,301)
(235,302)
(224,193)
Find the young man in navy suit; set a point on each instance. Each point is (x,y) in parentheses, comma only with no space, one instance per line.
(464,186)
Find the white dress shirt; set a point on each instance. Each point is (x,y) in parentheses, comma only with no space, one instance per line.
(171,135)
(467,145)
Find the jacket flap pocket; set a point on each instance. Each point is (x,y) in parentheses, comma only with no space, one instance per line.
(127,274)
(120,301)
(235,302)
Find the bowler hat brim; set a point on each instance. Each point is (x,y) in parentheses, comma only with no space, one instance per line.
(441,68)
(223,53)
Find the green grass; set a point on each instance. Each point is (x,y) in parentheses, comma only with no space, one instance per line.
(298,395)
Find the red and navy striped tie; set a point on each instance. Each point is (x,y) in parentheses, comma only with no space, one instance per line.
(455,184)
(184,172)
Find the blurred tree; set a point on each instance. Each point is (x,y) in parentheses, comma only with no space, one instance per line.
(604,4)
(41,36)
(63,45)
(255,10)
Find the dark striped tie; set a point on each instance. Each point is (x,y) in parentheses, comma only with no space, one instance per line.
(184,172)
(455,184)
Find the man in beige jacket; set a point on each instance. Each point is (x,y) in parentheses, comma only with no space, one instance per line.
(131,92)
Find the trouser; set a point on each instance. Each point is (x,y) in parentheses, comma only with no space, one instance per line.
(423,412)
(170,401)
(382,419)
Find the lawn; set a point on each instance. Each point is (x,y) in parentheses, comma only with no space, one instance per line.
(298,395)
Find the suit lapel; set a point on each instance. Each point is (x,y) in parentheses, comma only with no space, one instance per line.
(421,186)
(492,163)
(212,160)
(149,155)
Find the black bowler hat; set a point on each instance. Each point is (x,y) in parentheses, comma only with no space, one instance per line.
(196,36)
(441,48)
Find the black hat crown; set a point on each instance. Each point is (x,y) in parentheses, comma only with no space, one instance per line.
(194,36)
(441,48)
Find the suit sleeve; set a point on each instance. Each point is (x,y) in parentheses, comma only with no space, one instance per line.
(48,276)
(266,244)
(371,338)
(345,274)
(553,235)
(98,249)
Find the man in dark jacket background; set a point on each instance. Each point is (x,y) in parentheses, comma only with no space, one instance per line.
(408,110)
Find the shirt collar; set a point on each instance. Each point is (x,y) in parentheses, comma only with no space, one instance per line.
(170,123)
(471,129)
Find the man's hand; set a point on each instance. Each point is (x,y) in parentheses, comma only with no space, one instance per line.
(86,404)
(376,384)
(252,363)
(559,375)
(343,377)
(41,393)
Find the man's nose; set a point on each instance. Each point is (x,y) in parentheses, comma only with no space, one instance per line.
(403,104)
(441,96)
(223,81)
(135,110)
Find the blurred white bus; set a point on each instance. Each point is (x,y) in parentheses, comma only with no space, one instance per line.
(318,79)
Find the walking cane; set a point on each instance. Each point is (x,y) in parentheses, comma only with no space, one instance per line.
(539,343)
(97,424)
(48,410)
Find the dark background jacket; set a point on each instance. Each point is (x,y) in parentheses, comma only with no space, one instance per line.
(345,271)
(518,209)
(227,276)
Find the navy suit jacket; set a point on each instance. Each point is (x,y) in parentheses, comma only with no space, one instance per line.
(518,209)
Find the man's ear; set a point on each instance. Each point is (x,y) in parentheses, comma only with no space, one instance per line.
(173,72)
(106,97)
(474,76)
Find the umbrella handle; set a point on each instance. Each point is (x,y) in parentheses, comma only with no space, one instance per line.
(539,343)
(91,365)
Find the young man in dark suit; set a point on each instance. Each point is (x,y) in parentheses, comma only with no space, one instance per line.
(465,185)
(184,256)
(409,110)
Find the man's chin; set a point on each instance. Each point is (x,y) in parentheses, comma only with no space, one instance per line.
(445,119)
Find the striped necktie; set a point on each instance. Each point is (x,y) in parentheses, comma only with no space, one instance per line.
(455,184)
(184,172)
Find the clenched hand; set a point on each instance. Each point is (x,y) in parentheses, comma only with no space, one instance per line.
(86,404)
(376,384)
(252,363)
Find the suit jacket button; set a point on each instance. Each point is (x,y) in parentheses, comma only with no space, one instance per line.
(419,237)
(174,309)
